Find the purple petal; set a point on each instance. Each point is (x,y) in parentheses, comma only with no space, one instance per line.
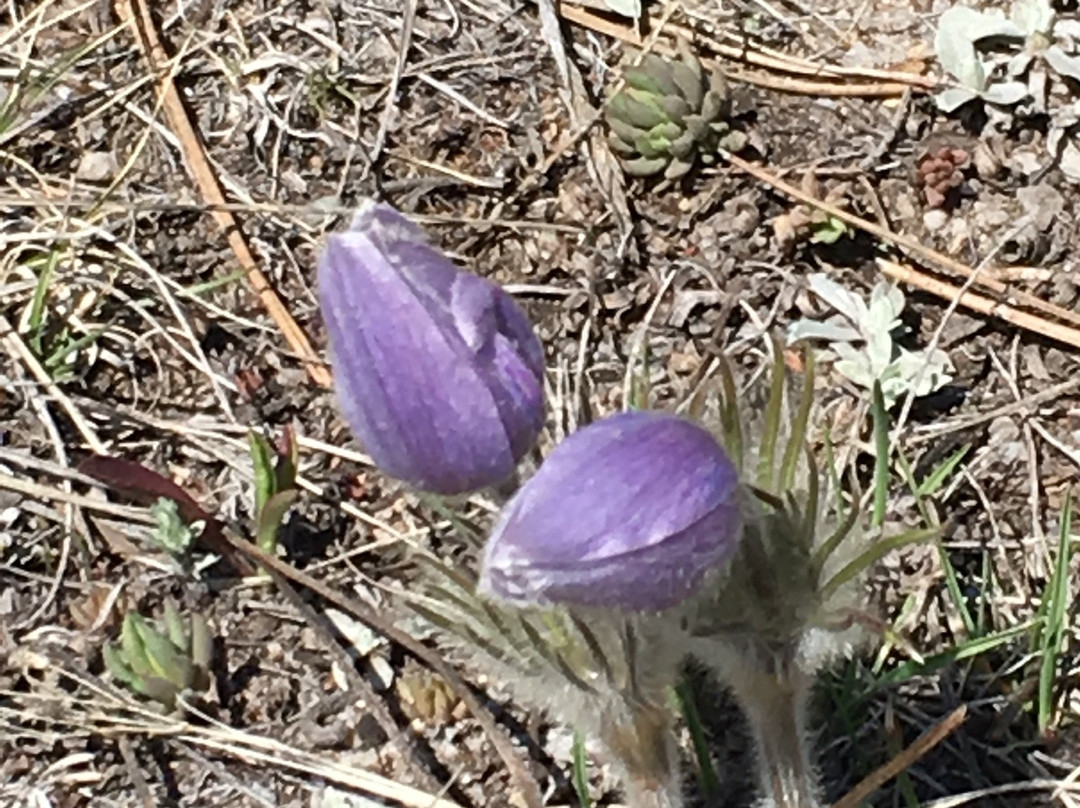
(630,512)
(414,342)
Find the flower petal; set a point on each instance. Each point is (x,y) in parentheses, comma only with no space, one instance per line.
(630,512)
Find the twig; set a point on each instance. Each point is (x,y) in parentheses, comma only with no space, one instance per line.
(943,262)
(363,688)
(893,85)
(136,13)
(905,760)
(530,789)
(18,350)
(983,305)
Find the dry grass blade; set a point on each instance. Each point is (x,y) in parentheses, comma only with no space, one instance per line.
(832,81)
(905,760)
(912,245)
(137,14)
(979,303)
(530,789)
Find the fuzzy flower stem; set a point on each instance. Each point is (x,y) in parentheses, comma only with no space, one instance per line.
(643,747)
(775,706)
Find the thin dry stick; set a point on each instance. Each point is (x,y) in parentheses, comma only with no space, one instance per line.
(136,13)
(530,789)
(895,87)
(944,262)
(18,350)
(905,760)
(983,305)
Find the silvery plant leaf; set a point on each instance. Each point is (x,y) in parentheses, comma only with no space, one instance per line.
(855,365)
(924,371)
(1063,64)
(886,304)
(978,25)
(850,305)
(1006,93)
(815,329)
(951,99)
(955,47)
(1019,64)
(1032,17)
(628,8)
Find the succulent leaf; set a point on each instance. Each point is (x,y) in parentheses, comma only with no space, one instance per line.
(689,83)
(645,166)
(675,107)
(637,108)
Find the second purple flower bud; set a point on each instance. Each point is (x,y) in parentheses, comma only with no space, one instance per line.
(629,513)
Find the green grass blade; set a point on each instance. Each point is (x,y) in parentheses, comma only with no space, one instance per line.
(262,462)
(36,320)
(766,475)
(1056,597)
(580,774)
(933,482)
(873,554)
(929,515)
(57,357)
(729,415)
(965,650)
(881,459)
(797,439)
(708,779)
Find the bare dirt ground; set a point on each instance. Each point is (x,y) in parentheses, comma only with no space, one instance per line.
(131,326)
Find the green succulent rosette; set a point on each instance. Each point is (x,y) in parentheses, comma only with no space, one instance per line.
(671,114)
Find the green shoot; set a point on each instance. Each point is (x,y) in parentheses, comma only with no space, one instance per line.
(965,650)
(275,469)
(580,774)
(1055,607)
(171,532)
(929,515)
(881,459)
(708,779)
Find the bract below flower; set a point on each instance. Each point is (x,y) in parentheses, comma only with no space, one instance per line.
(438,371)
(630,512)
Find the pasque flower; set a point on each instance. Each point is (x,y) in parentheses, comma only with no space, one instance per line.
(630,512)
(437,371)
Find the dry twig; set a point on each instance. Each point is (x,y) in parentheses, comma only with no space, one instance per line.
(137,14)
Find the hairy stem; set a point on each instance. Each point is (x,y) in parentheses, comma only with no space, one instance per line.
(643,747)
(775,707)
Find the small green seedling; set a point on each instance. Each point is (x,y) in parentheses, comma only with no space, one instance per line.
(162,662)
(171,532)
(275,484)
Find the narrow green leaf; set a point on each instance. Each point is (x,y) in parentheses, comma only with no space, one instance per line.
(708,779)
(131,645)
(766,476)
(881,459)
(36,320)
(929,515)
(581,771)
(797,438)
(871,555)
(270,517)
(966,650)
(1056,598)
(729,415)
(932,483)
(262,461)
(175,628)
(114,662)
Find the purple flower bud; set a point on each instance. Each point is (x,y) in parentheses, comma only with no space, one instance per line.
(437,371)
(630,512)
